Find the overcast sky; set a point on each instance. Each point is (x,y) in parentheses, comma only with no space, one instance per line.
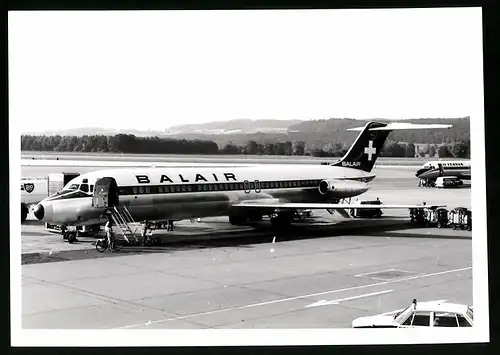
(156,69)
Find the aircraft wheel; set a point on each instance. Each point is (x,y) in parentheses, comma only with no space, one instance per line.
(117,245)
(453,226)
(71,237)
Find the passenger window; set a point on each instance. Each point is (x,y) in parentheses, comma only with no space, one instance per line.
(189,188)
(252,186)
(211,187)
(183,188)
(421,319)
(462,321)
(148,189)
(231,186)
(84,187)
(177,188)
(445,320)
(141,189)
(135,190)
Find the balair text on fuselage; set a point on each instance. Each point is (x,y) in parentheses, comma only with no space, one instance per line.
(144,179)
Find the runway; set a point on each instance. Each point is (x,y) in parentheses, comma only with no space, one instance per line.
(322,274)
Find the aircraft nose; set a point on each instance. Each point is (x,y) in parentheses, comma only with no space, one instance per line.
(39,211)
(420,172)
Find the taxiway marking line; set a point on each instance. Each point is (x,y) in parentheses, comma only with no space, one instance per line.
(292,298)
(378,272)
(337,301)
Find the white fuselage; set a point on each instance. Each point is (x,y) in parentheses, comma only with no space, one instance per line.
(179,193)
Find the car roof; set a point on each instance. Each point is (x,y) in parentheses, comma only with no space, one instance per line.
(441,307)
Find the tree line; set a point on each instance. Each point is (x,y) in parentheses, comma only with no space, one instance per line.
(397,150)
(128,143)
(120,143)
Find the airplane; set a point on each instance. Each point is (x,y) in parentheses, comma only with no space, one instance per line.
(434,169)
(241,193)
(35,189)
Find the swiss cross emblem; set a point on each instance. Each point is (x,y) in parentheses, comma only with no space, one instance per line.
(29,187)
(370,150)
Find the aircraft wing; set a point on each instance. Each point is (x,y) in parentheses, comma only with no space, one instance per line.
(288,205)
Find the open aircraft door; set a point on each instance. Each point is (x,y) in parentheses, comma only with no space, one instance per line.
(105,193)
(441,169)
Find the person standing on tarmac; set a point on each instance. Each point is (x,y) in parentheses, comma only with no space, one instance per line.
(146,240)
(108,228)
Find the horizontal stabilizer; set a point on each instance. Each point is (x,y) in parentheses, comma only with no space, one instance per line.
(257,204)
(395,126)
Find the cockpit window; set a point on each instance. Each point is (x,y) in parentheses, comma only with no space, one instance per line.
(73,187)
(84,187)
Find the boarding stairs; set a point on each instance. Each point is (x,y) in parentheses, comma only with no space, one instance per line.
(129,230)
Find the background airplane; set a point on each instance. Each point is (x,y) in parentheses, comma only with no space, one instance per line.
(434,169)
(242,193)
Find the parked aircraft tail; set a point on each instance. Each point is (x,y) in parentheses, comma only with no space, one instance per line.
(366,148)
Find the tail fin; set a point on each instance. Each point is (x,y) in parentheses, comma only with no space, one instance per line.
(366,148)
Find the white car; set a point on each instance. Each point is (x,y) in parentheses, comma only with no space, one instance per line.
(421,314)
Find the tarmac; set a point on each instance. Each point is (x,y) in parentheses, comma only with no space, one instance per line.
(323,273)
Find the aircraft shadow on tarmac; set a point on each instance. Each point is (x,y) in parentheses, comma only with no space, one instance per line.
(249,238)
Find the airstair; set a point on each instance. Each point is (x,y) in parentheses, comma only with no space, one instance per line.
(129,230)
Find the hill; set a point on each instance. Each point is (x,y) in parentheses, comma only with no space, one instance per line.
(238,126)
(319,134)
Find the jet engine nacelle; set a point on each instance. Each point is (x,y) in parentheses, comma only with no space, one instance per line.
(342,188)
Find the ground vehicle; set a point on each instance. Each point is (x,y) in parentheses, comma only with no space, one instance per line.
(417,216)
(102,244)
(34,190)
(421,314)
(448,181)
(460,217)
(438,216)
(368,212)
